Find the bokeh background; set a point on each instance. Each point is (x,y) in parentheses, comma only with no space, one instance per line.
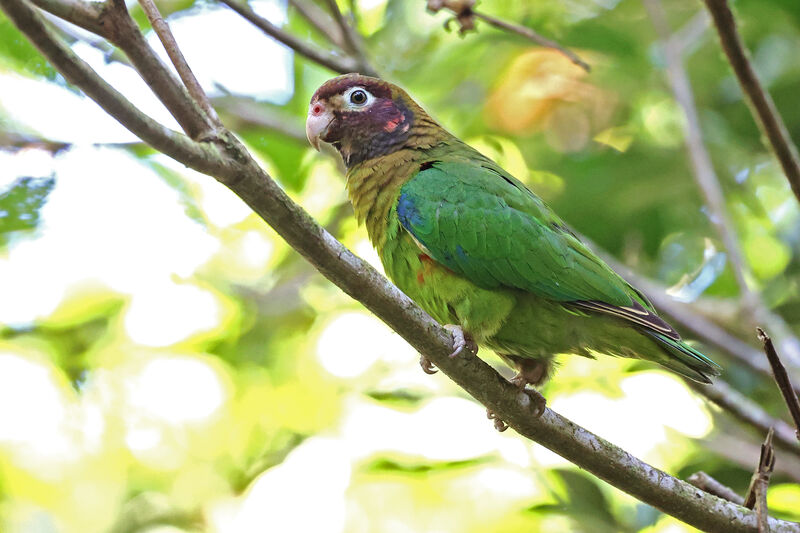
(168,364)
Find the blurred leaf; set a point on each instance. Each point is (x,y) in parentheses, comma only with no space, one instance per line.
(20,205)
(18,53)
(183,188)
(399,397)
(784,501)
(385,464)
(584,502)
(286,154)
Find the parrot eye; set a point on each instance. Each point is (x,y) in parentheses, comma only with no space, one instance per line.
(358,97)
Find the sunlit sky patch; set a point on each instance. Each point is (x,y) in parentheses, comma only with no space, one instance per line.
(306,492)
(36,429)
(124,229)
(655,400)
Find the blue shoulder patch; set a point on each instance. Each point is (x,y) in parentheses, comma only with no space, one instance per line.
(407,212)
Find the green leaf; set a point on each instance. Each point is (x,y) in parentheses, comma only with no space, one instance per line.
(20,205)
(17,53)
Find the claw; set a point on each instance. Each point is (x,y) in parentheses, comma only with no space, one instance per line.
(426,365)
(538,402)
(499,425)
(461,340)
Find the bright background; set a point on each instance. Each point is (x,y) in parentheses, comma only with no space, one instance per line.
(168,364)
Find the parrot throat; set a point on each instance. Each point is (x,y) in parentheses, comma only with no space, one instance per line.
(373,184)
(378,132)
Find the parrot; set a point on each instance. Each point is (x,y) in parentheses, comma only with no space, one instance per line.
(477,249)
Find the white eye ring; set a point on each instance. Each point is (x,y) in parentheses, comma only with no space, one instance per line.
(357,97)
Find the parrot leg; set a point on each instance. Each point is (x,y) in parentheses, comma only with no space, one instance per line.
(532,372)
(426,365)
(461,340)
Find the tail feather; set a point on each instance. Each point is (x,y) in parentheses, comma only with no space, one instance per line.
(684,359)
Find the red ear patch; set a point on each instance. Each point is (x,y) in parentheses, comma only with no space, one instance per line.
(392,123)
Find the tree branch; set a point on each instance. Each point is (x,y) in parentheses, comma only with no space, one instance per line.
(161,28)
(246,111)
(465,15)
(115,104)
(704,173)
(123,31)
(323,22)
(782,379)
(235,168)
(83,14)
(338,64)
(352,40)
(704,329)
(761,104)
(703,481)
(757,492)
(745,410)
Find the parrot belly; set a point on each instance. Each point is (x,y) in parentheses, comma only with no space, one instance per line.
(509,321)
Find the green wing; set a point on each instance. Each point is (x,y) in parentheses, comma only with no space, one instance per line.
(487,226)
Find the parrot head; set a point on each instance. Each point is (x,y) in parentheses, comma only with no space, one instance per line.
(360,116)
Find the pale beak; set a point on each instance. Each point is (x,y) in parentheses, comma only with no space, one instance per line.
(317,123)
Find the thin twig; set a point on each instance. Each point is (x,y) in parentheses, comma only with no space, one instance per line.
(352,41)
(535,37)
(687,37)
(782,379)
(338,64)
(703,481)
(251,112)
(465,15)
(756,496)
(704,172)
(161,28)
(321,20)
(124,32)
(113,22)
(761,104)
(745,410)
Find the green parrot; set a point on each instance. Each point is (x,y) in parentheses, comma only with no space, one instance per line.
(476,249)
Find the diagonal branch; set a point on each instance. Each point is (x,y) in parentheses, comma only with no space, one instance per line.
(338,64)
(761,105)
(320,20)
(745,410)
(782,379)
(352,41)
(83,14)
(123,31)
(233,166)
(704,172)
(703,481)
(464,13)
(703,328)
(115,104)
(161,28)
(709,183)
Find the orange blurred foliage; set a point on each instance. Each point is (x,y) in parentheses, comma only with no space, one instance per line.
(542,90)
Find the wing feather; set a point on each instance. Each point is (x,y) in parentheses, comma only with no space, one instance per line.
(485,225)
